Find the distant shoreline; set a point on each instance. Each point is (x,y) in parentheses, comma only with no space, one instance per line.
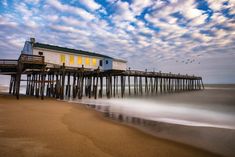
(219,84)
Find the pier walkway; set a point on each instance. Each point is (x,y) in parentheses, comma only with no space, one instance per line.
(61,81)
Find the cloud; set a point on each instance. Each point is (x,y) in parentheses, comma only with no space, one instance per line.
(51,17)
(69,29)
(16,42)
(91,4)
(216,5)
(138,6)
(231,6)
(32,1)
(4,21)
(71,21)
(123,12)
(4,3)
(73,10)
(199,20)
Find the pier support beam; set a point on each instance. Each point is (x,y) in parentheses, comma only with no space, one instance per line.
(12,82)
(81,83)
(122,86)
(101,87)
(62,82)
(42,83)
(18,78)
(140,86)
(68,86)
(202,84)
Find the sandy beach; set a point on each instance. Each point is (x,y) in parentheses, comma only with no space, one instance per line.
(32,127)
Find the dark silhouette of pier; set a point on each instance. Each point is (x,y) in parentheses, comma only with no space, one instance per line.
(60,81)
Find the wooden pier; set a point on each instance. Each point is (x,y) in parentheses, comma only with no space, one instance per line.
(64,82)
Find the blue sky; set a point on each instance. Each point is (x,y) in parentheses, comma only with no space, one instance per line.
(178,36)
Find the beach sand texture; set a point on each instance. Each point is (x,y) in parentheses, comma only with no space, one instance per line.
(32,127)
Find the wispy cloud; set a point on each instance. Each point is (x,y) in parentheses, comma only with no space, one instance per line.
(71,9)
(91,4)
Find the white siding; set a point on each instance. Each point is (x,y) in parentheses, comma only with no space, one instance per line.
(54,57)
(118,65)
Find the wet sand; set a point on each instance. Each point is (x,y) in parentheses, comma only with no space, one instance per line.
(32,127)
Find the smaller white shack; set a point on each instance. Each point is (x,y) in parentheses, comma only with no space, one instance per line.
(114,64)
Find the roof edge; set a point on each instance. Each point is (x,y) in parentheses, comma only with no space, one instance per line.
(120,60)
(69,50)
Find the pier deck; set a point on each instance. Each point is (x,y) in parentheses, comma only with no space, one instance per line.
(61,81)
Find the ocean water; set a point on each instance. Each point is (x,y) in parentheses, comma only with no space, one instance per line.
(204,119)
(212,107)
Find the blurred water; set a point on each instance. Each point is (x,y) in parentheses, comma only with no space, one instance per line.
(217,112)
(204,119)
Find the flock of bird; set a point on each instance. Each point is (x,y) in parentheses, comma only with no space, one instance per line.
(189,61)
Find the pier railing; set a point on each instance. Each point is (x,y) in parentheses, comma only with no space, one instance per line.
(158,74)
(24,58)
(8,62)
(32,59)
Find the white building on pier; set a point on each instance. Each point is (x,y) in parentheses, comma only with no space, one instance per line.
(56,56)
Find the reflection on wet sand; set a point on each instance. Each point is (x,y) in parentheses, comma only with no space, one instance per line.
(106,111)
(218,140)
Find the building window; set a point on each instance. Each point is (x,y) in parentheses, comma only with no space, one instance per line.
(94,62)
(87,61)
(71,59)
(62,58)
(40,53)
(79,60)
(101,63)
(106,62)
